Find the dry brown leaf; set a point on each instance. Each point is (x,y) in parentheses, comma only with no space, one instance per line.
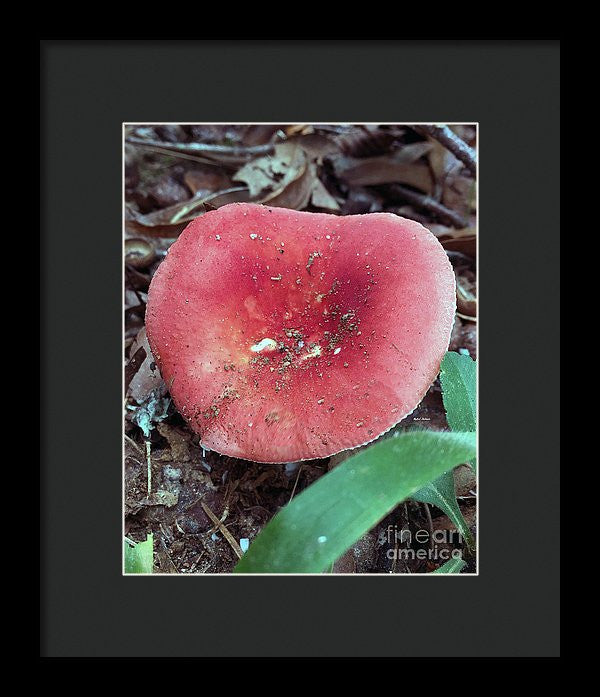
(400,167)
(178,441)
(269,176)
(139,253)
(287,179)
(147,377)
(259,134)
(459,194)
(134,300)
(316,145)
(441,231)
(201,181)
(465,480)
(360,199)
(321,198)
(466,302)
(169,222)
(442,161)
(465,245)
(299,128)
(167,192)
(296,194)
(134,364)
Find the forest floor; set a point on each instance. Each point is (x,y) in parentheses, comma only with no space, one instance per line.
(200,501)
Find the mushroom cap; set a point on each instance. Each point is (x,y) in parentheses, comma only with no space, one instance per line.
(286,335)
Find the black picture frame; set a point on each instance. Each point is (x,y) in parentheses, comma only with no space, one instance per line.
(88,88)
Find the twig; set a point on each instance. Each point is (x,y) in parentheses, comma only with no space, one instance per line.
(296,483)
(421,201)
(149,461)
(202,200)
(195,564)
(183,156)
(133,443)
(236,151)
(224,531)
(168,556)
(452,142)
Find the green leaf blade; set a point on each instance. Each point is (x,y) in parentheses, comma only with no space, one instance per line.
(139,559)
(322,522)
(458,377)
(441,493)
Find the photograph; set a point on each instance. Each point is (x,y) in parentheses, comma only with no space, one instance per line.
(300,349)
(261,345)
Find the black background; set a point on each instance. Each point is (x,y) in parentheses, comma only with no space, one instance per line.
(87,90)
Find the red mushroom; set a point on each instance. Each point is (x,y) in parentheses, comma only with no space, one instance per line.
(286,335)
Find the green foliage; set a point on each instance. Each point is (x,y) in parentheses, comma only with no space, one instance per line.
(139,557)
(322,522)
(458,377)
(441,493)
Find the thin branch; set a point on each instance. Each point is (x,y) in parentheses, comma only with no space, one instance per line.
(149,461)
(224,531)
(447,215)
(133,443)
(234,151)
(296,483)
(452,142)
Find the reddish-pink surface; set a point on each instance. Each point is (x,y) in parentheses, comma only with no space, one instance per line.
(349,318)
